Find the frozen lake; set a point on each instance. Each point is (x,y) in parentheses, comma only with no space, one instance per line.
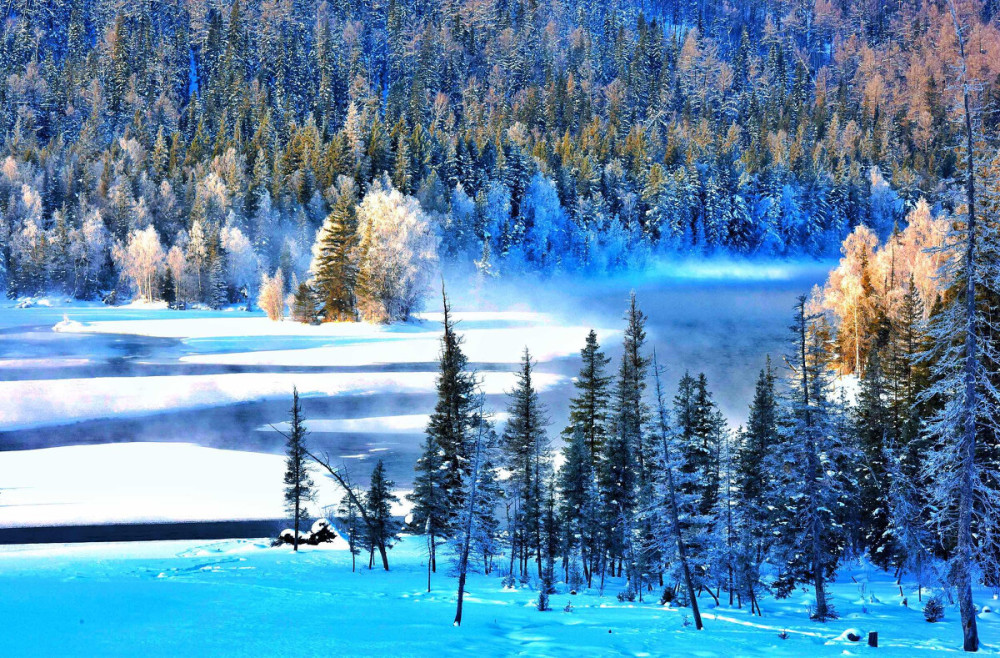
(221,379)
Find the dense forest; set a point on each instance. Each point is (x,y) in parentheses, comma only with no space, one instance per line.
(516,135)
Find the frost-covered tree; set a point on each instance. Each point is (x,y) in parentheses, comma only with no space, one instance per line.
(809,488)
(142,260)
(272,295)
(242,264)
(962,431)
(676,504)
(397,254)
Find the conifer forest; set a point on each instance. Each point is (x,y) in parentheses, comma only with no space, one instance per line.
(509,327)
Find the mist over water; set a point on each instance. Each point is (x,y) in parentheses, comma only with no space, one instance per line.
(720,318)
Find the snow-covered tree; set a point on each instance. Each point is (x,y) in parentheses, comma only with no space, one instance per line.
(397,254)
(527,457)
(810,471)
(142,260)
(272,295)
(242,264)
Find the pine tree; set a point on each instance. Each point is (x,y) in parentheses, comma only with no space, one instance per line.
(334,269)
(875,434)
(809,466)
(579,506)
(588,410)
(298,482)
(352,527)
(526,451)
(304,304)
(443,468)
(381,532)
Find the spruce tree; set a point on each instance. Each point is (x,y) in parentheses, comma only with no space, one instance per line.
(334,269)
(876,434)
(298,482)
(432,512)
(810,479)
(676,504)
(579,506)
(588,410)
(759,439)
(444,465)
(304,304)
(381,531)
(219,287)
(352,527)
(526,450)
(627,458)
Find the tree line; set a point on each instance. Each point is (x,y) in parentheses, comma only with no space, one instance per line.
(541,136)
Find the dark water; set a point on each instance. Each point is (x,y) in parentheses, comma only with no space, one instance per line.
(143,532)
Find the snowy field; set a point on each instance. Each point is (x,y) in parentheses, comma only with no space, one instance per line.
(242,598)
(206,387)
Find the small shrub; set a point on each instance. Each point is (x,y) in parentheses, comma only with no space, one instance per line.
(668,596)
(627,595)
(934,609)
(543,600)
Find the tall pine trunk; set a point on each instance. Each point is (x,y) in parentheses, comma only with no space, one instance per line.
(675,523)
(967,449)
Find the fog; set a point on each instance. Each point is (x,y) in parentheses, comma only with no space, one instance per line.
(718,317)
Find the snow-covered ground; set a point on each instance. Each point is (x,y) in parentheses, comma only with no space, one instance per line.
(144,482)
(242,598)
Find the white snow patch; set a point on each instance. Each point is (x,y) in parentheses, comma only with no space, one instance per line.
(134,482)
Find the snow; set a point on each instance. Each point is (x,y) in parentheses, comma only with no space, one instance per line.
(490,337)
(138,482)
(59,401)
(242,597)
(68,325)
